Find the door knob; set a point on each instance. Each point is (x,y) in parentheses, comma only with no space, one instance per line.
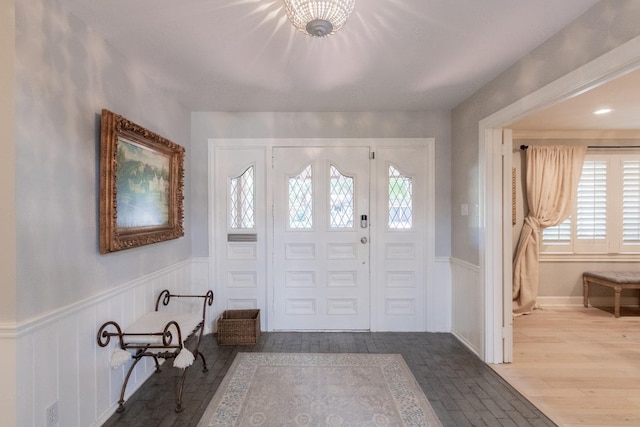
(363,240)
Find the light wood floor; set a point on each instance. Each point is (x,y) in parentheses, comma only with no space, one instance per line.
(579,366)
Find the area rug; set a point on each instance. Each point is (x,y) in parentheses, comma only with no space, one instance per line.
(284,389)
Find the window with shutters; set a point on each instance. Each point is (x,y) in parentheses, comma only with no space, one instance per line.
(605,218)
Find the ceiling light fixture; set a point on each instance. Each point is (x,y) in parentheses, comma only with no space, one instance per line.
(319,18)
(602,111)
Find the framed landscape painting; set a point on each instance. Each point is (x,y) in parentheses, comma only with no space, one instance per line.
(141,185)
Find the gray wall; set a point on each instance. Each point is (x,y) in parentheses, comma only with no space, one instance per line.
(206,125)
(605,26)
(65,74)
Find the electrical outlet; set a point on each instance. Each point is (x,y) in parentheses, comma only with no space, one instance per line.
(52,414)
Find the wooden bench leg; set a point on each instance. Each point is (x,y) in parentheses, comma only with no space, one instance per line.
(616,301)
(585,291)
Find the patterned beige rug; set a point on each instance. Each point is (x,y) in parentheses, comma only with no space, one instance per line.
(274,389)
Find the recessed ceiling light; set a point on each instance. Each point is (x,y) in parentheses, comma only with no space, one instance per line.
(603,111)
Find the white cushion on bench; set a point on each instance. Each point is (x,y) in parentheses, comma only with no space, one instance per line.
(155,321)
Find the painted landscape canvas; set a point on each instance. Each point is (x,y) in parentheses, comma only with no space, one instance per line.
(142,181)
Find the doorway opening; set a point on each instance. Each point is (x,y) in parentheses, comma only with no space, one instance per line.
(495,230)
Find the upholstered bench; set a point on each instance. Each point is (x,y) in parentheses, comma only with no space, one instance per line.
(158,334)
(618,280)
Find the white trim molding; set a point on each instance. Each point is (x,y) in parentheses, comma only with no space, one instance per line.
(577,134)
(8,330)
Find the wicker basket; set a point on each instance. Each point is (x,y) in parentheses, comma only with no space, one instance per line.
(236,327)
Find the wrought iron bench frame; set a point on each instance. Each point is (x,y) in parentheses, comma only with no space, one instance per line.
(162,345)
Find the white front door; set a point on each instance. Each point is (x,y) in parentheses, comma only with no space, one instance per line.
(321,246)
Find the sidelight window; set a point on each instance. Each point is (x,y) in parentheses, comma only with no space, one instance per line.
(242,200)
(400,200)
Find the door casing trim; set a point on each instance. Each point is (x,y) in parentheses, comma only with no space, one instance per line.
(615,63)
(373,143)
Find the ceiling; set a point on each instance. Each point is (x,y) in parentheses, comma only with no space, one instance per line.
(621,95)
(392,55)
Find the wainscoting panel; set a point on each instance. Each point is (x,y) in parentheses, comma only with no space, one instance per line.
(467,304)
(8,375)
(60,360)
(439,307)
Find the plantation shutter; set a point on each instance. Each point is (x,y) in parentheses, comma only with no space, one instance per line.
(591,207)
(630,202)
(606,216)
(559,234)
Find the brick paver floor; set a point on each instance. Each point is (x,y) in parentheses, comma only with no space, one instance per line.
(462,389)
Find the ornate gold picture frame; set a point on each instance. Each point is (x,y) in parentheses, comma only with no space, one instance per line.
(141,186)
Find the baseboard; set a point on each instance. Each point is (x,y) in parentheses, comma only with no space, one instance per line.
(559,301)
(467,344)
(577,301)
(104,417)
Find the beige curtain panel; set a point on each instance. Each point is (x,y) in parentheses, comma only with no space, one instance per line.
(552,179)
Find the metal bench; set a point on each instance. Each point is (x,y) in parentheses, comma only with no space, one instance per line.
(161,335)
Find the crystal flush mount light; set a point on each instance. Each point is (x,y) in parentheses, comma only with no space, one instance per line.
(318,18)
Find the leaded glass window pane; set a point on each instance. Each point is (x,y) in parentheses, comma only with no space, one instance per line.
(241,200)
(301,200)
(340,199)
(400,200)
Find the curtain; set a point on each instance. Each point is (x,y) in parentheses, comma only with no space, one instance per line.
(552,179)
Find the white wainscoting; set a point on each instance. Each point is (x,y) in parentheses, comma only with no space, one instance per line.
(8,380)
(59,358)
(467,305)
(439,297)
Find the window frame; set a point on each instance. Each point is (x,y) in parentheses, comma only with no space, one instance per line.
(613,247)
